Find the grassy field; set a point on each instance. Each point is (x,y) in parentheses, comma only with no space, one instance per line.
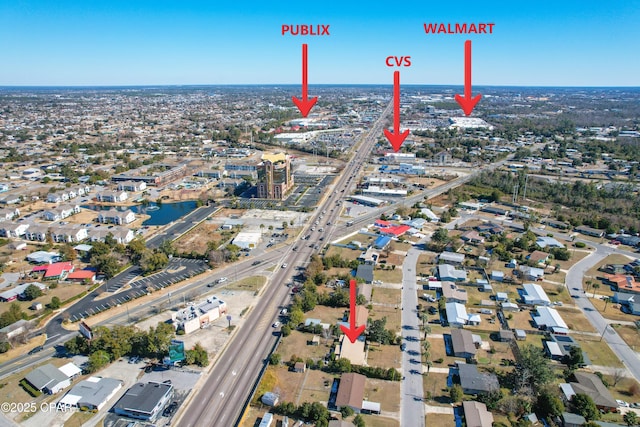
(385,392)
(251,284)
(384,356)
(378,421)
(63,291)
(388,276)
(575,319)
(435,386)
(386,296)
(442,420)
(629,334)
(598,351)
(613,311)
(344,253)
(314,389)
(296,344)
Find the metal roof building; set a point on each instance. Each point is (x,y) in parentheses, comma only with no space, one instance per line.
(92,393)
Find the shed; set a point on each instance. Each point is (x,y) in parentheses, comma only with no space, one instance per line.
(521,335)
(497,275)
(270,399)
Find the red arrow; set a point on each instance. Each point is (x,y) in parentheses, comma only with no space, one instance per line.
(396,138)
(467,103)
(352,332)
(305,104)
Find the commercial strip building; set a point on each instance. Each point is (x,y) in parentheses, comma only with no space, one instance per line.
(199,315)
(144,401)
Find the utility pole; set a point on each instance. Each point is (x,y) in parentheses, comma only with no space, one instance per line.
(514,199)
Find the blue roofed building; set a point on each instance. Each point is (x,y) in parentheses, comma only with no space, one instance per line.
(382,242)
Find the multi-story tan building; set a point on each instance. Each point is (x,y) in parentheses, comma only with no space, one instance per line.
(274,176)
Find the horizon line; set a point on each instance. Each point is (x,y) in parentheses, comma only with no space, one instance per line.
(147,85)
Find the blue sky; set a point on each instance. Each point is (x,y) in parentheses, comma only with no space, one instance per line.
(537,43)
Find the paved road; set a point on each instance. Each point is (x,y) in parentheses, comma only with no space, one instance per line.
(574,283)
(411,388)
(221,399)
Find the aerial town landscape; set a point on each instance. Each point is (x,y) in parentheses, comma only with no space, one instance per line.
(191,237)
(167,246)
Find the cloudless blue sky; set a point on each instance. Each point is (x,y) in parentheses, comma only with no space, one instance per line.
(114,42)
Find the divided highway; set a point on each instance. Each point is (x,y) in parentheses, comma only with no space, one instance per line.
(220,400)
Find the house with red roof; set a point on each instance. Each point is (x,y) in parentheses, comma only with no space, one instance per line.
(81,275)
(58,270)
(396,230)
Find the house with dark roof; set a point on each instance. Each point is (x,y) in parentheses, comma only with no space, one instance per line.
(365,272)
(462,343)
(589,231)
(591,385)
(476,382)
(144,401)
(472,237)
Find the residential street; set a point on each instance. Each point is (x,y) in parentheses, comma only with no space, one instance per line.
(411,389)
(574,284)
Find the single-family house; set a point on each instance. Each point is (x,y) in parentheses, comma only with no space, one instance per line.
(533,294)
(476,382)
(538,257)
(365,272)
(449,273)
(454,294)
(457,315)
(351,391)
(591,385)
(462,343)
(451,258)
(589,231)
(476,414)
(472,237)
(548,318)
(546,241)
(48,379)
(531,273)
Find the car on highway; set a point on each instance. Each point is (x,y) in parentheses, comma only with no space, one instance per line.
(256,262)
(222,280)
(36,350)
(403,347)
(276,324)
(284,265)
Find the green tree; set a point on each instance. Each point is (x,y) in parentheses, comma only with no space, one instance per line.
(296,317)
(631,419)
(549,404)
(67,252)
(359,421)
(441,235)
(4,347)
(346,411)
(32,292)
(55,303)
(583,404)
(574,359)
(455,393)
(136,249)
(274,359)
(97,360)
(532,369)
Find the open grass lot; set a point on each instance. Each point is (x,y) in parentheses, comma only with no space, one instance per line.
(386,296)
(501,350)
(391,313)
(557,292)
(314,389)
(533,339)
(629,334)
(576,255)
(362,238)
(326,314)
(378,421)
(384,356)
(598,351)
(438,350)
(624,389)
(435,388)
(385,392)
(443,420)
(296,344)
(520,319)
(344,253)
(251,284)
(575,319)
(335,271)
(196,239)
(388,276)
